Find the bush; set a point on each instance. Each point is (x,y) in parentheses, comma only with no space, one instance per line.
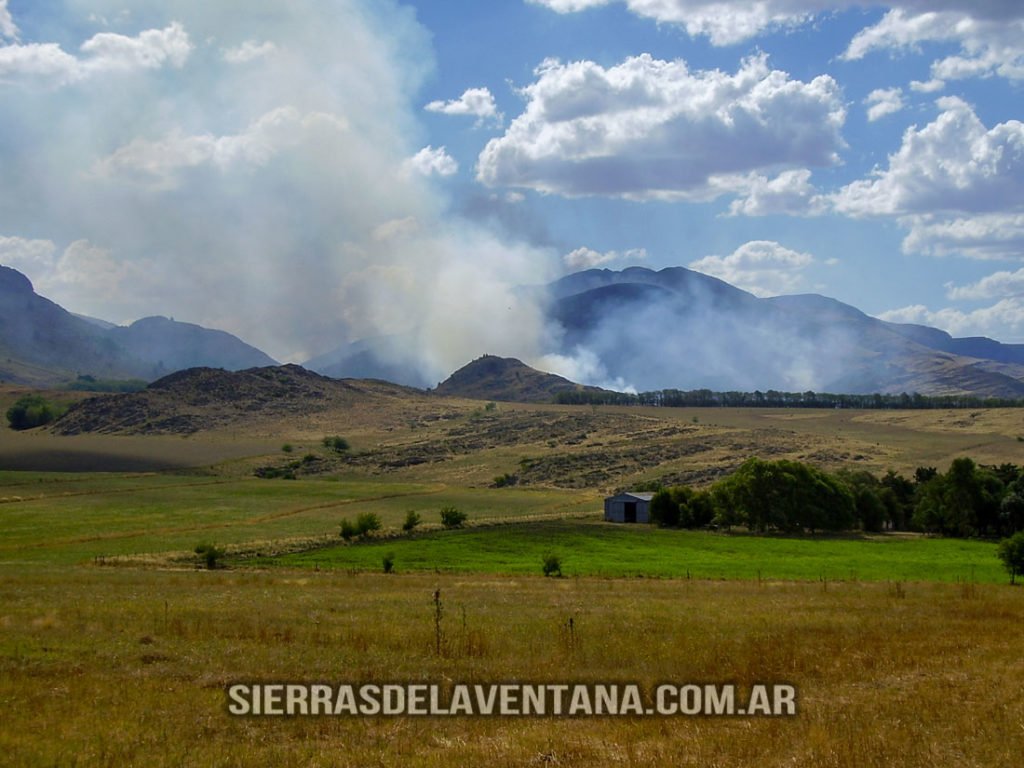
(367,522)
(452,518)
(506,480)
(1011,552)
(412,519)
(389,562)
(552,565)
(32,411)
(336,444)
(348,530)
(287,448)
(210,555)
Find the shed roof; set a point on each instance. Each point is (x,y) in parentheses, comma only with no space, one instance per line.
(637,496)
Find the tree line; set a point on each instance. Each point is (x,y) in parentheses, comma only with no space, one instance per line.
(706,398)
(969,500)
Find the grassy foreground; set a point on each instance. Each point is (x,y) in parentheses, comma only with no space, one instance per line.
(128,667)
(590,548)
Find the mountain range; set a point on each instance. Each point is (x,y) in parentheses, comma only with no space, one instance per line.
(43,344)
(632,328)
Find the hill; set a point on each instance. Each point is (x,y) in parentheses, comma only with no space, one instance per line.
(506,379)
(42,344)
(204,399)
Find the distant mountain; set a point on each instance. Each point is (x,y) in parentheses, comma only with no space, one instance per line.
(677,328)
(42,344)
(505,379)
(387,358)
(169,345)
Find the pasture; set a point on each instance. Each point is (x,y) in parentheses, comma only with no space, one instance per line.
(116,647)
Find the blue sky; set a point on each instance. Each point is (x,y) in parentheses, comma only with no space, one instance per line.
(316,172)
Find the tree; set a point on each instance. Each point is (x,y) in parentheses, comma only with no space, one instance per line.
(552,565)
(210,555)
(452,518)
(1011,552)
(412,519)
(32,411)
(336,444)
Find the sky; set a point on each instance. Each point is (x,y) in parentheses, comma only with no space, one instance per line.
(307,174)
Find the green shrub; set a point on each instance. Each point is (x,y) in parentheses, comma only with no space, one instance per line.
(348,530)
(389,562)
(452,518)
(336,444)
(210,554)
(1011,552)
(412,519)
(552,565)
(33,411)
(506,480)
(367,522)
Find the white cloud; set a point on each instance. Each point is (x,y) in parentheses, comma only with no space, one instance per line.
(433,162)
(984,236)
(790,193)
(103,53)
(928,86)
(32,257)
(763,267)
(993,45)
(648,128)
(586,258)
(475,102)
(8,29)
(1003,320)
(999,285)
(248,51)
(883,101)
(724,23)
(159,163)
(952,165)
(956,185)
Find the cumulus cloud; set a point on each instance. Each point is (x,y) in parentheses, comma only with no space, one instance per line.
(475,102)
(586,258)
(988,45)
(790,193)
(883,101)
(8,29)
(763,267)
(927,86)
(648,128)
(999,285)
(248,51)
(954,163)
(1002,319)
(24,255)
(724,23)
(101,54)
(433,162)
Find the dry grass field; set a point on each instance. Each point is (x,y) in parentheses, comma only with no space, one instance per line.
(115,648)
(112,667)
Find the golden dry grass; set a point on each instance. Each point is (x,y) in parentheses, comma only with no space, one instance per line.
(129,668)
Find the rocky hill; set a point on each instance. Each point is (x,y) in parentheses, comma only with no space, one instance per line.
(506,379)
(204,399)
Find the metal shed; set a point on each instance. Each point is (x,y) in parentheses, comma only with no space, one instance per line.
(628,508)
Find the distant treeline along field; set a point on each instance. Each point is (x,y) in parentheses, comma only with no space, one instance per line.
(969,500)
(706,398)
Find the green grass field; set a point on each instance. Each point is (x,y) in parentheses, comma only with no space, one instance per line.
(589,548)
(71,518)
